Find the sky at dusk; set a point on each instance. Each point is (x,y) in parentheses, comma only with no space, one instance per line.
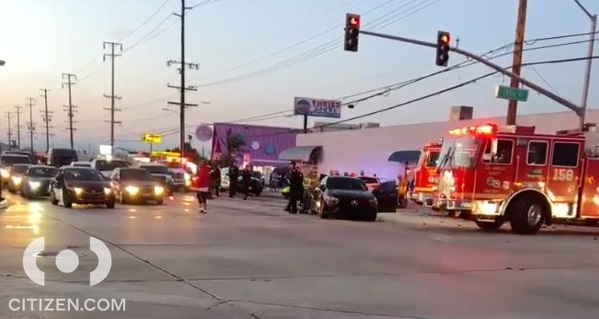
(255,56)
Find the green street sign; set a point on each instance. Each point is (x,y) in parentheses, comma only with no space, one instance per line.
(510,93)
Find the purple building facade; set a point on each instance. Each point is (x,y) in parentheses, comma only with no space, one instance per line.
(263,144)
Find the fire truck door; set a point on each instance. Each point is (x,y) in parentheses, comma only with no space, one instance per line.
(590,192)
(499,173)
(565,168)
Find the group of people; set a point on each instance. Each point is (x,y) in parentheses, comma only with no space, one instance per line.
(209,179)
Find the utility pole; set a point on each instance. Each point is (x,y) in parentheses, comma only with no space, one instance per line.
(112,96)
(182,88)
(8,114)
(70,108)
(512,108)
(47,117)
(30,124)
(589,66)
(18,113)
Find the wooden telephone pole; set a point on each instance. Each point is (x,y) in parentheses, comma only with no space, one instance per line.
(517,60)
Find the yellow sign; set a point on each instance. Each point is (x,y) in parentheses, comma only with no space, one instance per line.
(151,138)
(166,154)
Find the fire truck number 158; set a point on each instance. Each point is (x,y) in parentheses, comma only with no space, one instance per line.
(563,174)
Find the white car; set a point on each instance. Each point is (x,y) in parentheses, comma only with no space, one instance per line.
(81,164)
(107,166)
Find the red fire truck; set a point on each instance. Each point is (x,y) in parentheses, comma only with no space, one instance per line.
(425,174)
(496,174)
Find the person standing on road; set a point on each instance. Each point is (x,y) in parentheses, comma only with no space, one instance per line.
(216,180)
(233,179)
(203,187)
(296,187)
(246,179)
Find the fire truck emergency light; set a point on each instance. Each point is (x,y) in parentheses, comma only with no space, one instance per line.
(487,129)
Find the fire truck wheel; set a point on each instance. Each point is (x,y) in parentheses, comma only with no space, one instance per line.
(490,226)
(527,215)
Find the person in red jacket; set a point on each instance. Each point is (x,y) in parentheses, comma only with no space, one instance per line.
(203,184)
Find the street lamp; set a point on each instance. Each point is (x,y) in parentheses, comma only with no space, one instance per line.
(587,74)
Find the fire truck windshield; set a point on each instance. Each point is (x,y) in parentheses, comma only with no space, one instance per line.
(459,152)
(432,158)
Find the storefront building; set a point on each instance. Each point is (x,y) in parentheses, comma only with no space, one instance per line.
(375,150)
(261,144)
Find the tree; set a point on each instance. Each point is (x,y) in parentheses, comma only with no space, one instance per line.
(235,144)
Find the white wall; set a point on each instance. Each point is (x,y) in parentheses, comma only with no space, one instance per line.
(369,149)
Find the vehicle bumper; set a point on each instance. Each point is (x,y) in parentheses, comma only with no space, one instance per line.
(85,200)
(426,199)
(449,204)
(142,198)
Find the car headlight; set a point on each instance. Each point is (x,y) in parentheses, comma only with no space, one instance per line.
(107,190)
(329,200)
(34,185)
(4,172)
(158,190)
(17,180)
(78,190)
(132,190)
(187,176)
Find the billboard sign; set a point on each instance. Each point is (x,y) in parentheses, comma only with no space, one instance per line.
(317,107)
(151,138)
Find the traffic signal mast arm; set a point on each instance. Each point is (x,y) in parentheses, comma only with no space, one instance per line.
(578,110)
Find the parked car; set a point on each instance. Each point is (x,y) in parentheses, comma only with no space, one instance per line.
(79,185)
(387,198)
(256,185)
(344,196)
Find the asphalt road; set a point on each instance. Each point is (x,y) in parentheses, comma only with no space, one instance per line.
(250,259)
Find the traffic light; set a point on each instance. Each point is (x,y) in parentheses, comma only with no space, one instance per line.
(443,40)
(352,30)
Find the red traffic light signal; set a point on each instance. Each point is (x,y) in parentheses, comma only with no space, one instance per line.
(352,31)
(443,40)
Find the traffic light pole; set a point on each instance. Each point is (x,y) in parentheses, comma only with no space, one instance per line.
(577,109)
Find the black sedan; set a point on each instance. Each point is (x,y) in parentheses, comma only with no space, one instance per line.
(345,196)
(36,181)
(80,185)
(16,173)
(136,185)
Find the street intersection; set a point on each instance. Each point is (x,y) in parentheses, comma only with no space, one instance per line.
(250,259)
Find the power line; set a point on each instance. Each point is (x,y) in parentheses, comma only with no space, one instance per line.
(321,49)
(150,35)
(436,93)
(145,21)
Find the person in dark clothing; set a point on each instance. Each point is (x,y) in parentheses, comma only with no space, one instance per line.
(296,187)
(246,179)
(233,178)
(216,180)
